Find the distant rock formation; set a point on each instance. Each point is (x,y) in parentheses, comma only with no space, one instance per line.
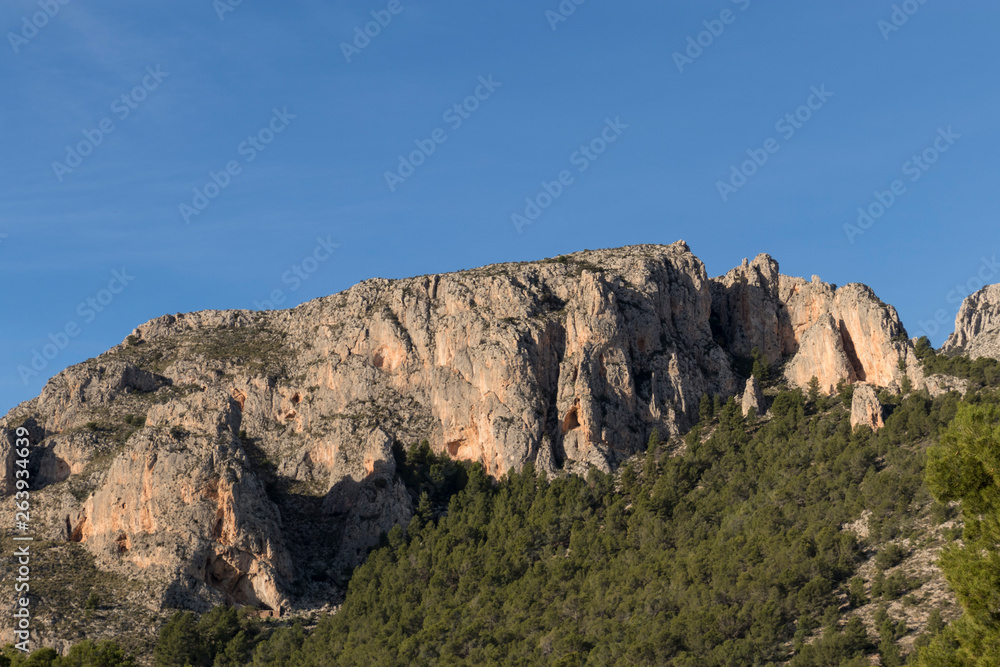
(866,410)
(942,384)
(977,326)
(753,398)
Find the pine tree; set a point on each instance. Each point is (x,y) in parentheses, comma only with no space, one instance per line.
(814,390)
(965,466)
(761,369)
(706,409)
(180,643)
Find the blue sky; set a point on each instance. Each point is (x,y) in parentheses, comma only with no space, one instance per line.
(202,85)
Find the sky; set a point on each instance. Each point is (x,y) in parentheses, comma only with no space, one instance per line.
(179,156)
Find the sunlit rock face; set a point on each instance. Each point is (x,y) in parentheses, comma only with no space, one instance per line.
(977,326)
(235,456)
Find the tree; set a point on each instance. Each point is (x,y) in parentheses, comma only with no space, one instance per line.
(217,628)
(706,408)
(180,643)
(856,594)
(814,390)
(965,466)
(650,469)
(761,368)
(654,441)
(923,348)
(103,654)
(845,391)
(43,657)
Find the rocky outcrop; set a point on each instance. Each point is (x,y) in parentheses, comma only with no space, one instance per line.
(181,506)
(942,384)
(866,410)
(252,457)
(834,334)
(977,326)
(753,397)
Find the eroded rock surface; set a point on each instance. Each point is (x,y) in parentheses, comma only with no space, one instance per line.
(866,410)
(753,398)
(977,326)
(834,334)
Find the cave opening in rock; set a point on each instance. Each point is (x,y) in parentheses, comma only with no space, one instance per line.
(571,421)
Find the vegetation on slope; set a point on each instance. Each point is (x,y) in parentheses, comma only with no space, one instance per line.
(965,466)
(733,552)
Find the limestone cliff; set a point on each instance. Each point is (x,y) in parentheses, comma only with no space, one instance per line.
(834,334)
(251,457)
(977,326)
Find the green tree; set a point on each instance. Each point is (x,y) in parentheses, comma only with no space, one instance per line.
(814,390)
(965,466)
(845,391)
(180,643)
(761,367)
(103,654)
(856,593)
(650,467)
(217,628)
(706,409)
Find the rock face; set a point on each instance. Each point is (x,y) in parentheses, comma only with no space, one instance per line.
(977,326)
(182,501)
(866,410)
(753,398)
(251,457)
(844,334)
(942,384)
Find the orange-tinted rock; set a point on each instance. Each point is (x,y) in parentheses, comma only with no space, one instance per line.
(866,410)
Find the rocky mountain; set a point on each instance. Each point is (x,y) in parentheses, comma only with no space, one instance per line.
(818,330)
(250,457)
(977,326)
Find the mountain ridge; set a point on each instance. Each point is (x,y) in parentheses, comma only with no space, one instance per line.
(198,454)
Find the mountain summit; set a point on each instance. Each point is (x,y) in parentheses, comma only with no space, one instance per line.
(248,457)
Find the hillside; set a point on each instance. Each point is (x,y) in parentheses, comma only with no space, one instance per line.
(254,459)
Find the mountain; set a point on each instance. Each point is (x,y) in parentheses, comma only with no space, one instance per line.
(977,326)
(254,458)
